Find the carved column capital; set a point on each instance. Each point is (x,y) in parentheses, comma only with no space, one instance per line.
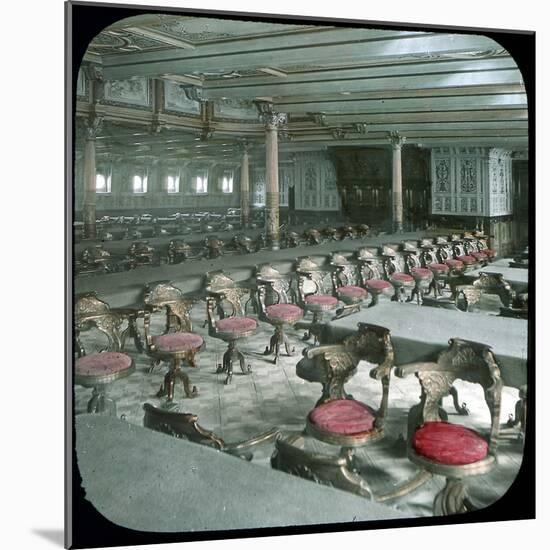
(273,120)
(270,118)
(396,139)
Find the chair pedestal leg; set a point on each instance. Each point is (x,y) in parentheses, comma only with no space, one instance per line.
(100,403)
(172,376)
(233,354)
(520,413)
(278,339)
(374,300)
(317,318)
(452,499)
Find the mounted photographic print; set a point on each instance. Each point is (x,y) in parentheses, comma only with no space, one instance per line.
(300,267)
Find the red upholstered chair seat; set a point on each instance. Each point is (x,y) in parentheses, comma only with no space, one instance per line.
(466,259)
(343,417)
(321,300)
(287,313)
(454,264)
(236,325)
(378,285)
(490,252)
(99,364)
(399,278)
(351,291)
(443,268)
(178,341)
(447,443)
(479,255)
(421,273)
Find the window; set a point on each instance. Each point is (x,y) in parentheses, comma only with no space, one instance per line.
(200,182)
(139,184)
(172,184)
(227,182)
(102,183)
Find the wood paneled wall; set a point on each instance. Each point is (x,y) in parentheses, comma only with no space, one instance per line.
(364,177)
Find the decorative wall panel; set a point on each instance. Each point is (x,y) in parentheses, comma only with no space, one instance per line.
(175,99)
(134,91)
(258,186)
(471,181)
(315,182)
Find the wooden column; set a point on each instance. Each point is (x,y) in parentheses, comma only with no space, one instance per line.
(397,141)
(272,122)
(92,127)
(245,187)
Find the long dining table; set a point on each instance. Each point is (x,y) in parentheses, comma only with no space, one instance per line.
(419,333)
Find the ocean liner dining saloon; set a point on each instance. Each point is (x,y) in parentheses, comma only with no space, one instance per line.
(276,227)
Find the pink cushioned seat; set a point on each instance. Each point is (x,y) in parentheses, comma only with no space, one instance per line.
(178,341)
(343,416)
(321,300)
(402,278)
(351,291)
(447,443)
(490,252)
(479,255)
(287,313)
(439,267)
(421,273)
(98,364)
(236,324)
(466,259)
(454,264)
(378,285)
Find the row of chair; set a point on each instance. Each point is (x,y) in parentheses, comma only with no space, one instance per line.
(97,260)
(434,445)
(337,418)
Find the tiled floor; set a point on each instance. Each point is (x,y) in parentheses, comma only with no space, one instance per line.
(274,396)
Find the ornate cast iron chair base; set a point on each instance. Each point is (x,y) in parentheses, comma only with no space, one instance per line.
(232,355)
(174,374)
(281,315)
(278,339)
(423,279)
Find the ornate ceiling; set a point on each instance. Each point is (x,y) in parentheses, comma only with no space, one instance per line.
(338,85)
